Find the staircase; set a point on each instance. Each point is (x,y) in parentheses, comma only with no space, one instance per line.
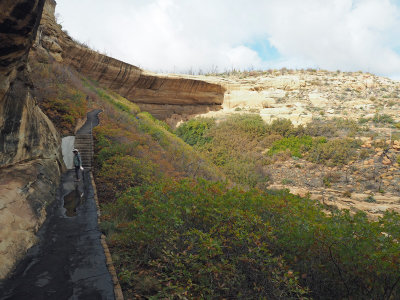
(84,138)
(84,144)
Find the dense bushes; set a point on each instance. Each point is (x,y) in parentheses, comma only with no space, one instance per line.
(201,239)
(319,150)
(192,132)
(334,152)
(196,240)
(296,145)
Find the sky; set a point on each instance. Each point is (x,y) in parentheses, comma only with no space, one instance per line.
(176,36)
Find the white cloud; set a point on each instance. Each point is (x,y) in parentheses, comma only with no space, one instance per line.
(177,35)
(343,34)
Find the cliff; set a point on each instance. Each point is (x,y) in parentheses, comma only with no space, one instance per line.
(167,97)
(30,159)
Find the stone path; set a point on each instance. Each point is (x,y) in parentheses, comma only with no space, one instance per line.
(69,261)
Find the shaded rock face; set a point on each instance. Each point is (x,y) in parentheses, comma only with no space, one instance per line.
(25,132)
(157,92)
(30,163)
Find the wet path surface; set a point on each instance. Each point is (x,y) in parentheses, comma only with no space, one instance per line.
(91,122)
(69,261)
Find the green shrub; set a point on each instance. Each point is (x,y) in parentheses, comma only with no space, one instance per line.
(296,145)
(285,128)
(333,128)
(334,152)
(159,123)
(370,199)
(327,181)
(251,124)
(122,172)
(286,181)
(193,132)
(363,120)
(382,119)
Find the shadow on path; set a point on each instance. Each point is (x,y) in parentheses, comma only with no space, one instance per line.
(69,261)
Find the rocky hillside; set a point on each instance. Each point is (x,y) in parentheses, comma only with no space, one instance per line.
(338,105)
(303,95)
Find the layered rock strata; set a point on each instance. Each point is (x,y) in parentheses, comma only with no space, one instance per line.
(163,95)
(30,163)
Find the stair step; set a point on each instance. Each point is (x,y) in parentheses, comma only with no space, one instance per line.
(83,135)
(83,142)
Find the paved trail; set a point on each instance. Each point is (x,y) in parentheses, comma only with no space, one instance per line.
(92,121)
(69,261)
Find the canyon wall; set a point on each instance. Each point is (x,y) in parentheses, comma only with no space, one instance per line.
(167,96)
(30,158)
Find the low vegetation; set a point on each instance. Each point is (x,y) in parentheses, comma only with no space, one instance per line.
(198,239)
(243,145)
(179,229)
(60,94)
(133,148)
(178,237)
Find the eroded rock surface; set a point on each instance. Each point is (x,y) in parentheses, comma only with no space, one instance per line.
(30,161)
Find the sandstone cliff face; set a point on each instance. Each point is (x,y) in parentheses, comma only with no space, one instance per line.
(155,93)
(30,162)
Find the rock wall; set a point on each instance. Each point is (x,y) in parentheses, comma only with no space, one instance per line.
(157,93)
(30,158)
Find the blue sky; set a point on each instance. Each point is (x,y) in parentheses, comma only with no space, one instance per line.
(264,49)
(182,35)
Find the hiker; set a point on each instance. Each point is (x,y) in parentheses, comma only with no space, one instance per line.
(77,163)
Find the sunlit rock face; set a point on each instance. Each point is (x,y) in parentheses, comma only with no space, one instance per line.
(30,163)
(167,96)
